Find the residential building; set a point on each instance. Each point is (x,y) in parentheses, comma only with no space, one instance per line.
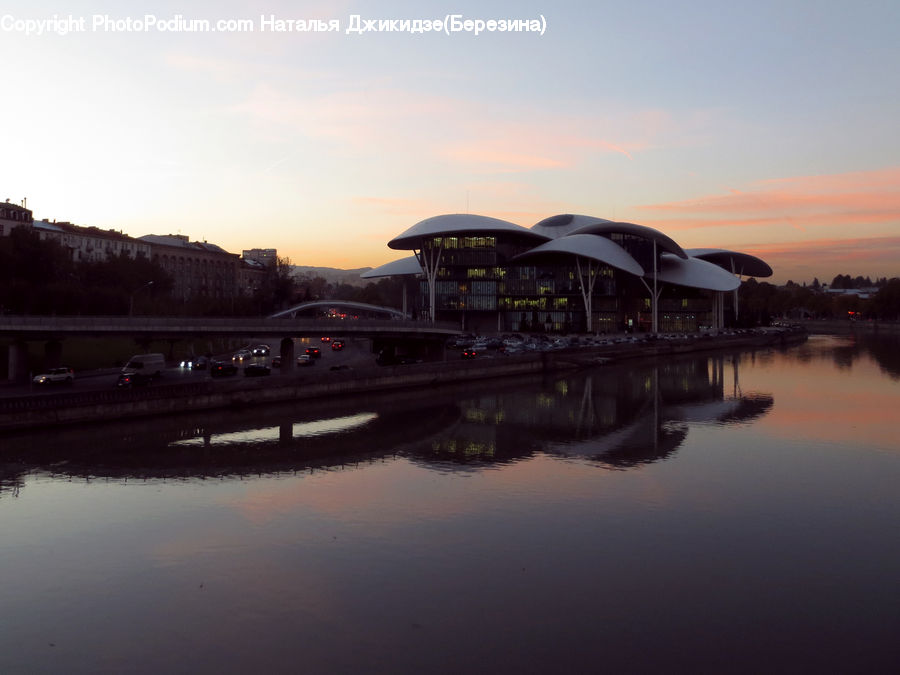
(198,269)
(91,244)
(266,256)
(13,216)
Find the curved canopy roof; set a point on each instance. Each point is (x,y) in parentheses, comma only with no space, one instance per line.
(563,224)
(695,273)
(733,261)
(402,267)
(589,246)
(458,224)
(600,226)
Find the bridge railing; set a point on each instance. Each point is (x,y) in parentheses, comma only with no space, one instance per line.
(11,323)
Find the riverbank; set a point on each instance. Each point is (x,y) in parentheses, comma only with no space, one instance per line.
(98,406)
(846,327)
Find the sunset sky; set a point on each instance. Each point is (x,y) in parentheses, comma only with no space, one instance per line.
(770,127)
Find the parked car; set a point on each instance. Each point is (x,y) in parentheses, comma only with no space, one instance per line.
(305,360)
(222,369)
(337,345)
(256,370)
(260,350)
(61,375)
(314,352)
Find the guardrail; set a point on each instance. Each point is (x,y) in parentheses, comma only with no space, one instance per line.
(73,325)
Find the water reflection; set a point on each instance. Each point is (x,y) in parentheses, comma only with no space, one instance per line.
(847,351)
(615,417)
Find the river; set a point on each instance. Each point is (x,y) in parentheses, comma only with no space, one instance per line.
(735,512)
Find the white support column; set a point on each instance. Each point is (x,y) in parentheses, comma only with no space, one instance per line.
(587,288)
(430,261)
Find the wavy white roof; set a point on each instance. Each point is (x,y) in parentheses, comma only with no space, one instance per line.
(402,267)
(589,246)
(733,261)
(695,273)
(601,226)
(565,223)
(458,224)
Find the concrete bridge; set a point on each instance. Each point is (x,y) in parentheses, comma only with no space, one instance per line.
(417,336)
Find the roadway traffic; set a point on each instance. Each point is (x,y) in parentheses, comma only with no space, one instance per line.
(355,353)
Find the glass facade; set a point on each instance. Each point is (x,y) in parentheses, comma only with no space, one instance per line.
(480,285)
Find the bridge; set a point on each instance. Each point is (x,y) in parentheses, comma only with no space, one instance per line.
(417,336)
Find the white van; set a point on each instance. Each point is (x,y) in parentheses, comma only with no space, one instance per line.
(145,365)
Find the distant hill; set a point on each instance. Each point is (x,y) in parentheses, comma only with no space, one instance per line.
(333,275)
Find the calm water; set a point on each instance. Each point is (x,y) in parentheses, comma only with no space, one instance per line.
(719,514)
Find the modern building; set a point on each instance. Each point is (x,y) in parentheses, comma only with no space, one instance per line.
(567,273)
(198,269)
(91,244)
(13,216)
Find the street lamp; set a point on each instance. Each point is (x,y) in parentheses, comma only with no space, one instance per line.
(131,299)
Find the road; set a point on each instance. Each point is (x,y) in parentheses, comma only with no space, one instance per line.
(356,354)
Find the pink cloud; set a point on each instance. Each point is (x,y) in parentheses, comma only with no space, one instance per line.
(884,248)
(858,203)
(801,260)
(872,195)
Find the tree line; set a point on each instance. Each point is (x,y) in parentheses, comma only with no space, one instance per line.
(761,302)
(39,277)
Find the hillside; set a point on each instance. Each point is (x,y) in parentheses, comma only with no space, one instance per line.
(333,275)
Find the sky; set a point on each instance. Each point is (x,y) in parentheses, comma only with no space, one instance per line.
(768,127)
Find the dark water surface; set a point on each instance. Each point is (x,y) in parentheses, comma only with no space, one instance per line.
(730,513)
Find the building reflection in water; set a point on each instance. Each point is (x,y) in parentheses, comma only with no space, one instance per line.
(616,417)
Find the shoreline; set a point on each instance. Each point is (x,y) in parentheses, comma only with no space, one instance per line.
(72,408)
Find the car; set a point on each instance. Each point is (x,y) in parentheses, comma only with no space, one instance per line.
(260,350)
(325,339)
(61,375)
(305,360)
(222,369)
(256,370)
(131,379)
(241,356)
(314,352)
(469,353)
(337,345)
(276,362)
(197,363)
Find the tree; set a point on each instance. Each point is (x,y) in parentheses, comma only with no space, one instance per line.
(278,288)
(886,302)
